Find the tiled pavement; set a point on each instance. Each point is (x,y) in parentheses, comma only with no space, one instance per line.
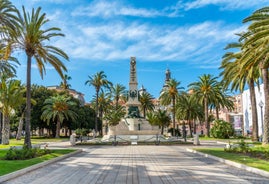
(137,164)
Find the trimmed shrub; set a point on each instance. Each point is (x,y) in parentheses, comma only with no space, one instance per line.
(222,129)
(25,153)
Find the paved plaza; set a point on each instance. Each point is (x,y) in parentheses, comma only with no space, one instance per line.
(137,165)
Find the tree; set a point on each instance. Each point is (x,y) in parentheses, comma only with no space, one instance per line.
(8,21)
(205,90)
(64,84)
(162,119)
(104,102)
(58,108)
(256,54)
(146,102)
(235,77)
(114,115)
(169,95)
(98,81)
(11,96)
(117,93)
(188,108)
(31,36)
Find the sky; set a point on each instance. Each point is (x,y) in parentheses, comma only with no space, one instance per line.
(187,37)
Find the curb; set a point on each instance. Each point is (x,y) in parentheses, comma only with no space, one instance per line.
(231,163)
(36,166)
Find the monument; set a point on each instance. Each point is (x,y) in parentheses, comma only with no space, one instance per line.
(133,125)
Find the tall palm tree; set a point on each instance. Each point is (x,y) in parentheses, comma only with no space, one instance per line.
(8,18)
(33,36)
(11,96)
(162,119)
(117,92)
(188,108)
(104,102)
(237,78)
(64,84)
(205,90)
(98,81)
(8,21)
(257,55)
(58,108)
(146,102)
(169,95)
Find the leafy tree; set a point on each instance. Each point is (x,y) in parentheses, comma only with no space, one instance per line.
(162,119)
(58,108)
(169,95)
(188,108)
(114,115)
(31,36)
(98,81)
(205,90)
(11,96)
(237,78)
(222,129)
(117,93)
(146,102)
(64,84)
(256,54)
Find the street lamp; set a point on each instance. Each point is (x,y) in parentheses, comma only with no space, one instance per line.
(261,104)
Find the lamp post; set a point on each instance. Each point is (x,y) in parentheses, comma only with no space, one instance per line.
(261,104)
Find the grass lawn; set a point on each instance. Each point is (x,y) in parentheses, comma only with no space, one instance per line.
(236,157)
(8,166)
(34,140)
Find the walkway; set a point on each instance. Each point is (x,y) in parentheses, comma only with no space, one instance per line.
(137,164)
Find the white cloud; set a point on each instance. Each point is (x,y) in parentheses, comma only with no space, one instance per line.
(225,4)
(108,9)
(117,41)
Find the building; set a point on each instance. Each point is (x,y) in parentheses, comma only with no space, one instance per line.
(247,115)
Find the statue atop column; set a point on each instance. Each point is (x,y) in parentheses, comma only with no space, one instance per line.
(133,102)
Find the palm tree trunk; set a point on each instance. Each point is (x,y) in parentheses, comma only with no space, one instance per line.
(266,107)
(96,110)
(174,116)
(206,118)
(162,130)
(58,128)
(18,137)
(190,127)
(5,130)
(217,113)
(27,140)
(253,110)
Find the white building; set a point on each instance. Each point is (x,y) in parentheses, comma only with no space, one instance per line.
(247,115)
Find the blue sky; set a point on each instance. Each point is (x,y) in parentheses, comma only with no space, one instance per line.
(186,36)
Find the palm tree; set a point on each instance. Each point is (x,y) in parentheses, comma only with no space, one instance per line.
(188,108)
(162,119)
(169,95)
(114,115)
(104,102)
(205,90)
(58,108)
(98,81)
(237,78)
(64,84)
(11,96)
(256,54)
(151,118)
(146,102)
(33,35)
(8,18)
(117,93)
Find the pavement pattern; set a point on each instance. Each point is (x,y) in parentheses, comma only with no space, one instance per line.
(137,165)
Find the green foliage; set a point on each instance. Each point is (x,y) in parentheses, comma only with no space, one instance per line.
(222,129)
(239,147)
(25,153)
(82,131)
